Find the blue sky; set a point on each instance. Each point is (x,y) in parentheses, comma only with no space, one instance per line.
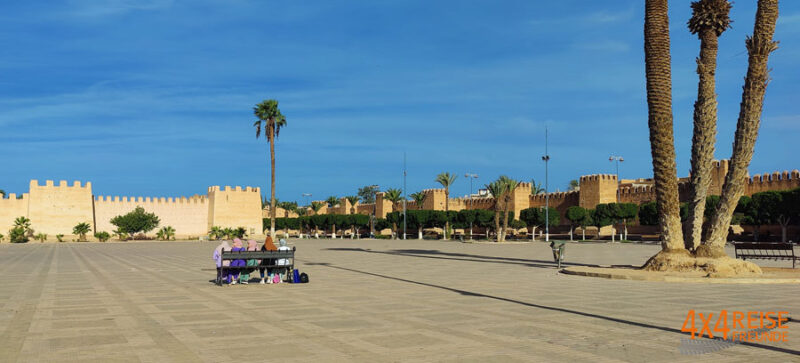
(154,98)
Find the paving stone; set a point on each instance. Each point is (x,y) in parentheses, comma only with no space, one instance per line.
(368,301)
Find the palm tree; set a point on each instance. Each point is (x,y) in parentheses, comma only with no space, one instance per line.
(394,195)
(419,199)
(759,46)
(353,199)
(709,20)
(498,191)
(270,118)
(659,105)
(510,185)
(316,207)
(332,202)
(166,233)
(81,229)
(288,207)
(446,180)
(536,188)
(215,233)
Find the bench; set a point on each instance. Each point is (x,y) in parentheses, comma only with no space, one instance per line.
(765,251)
(269,259)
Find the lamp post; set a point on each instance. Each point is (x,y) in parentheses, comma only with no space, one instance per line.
(307,195)
(374,210)
(470,176)
(546,159)
(405,197)
(617,159)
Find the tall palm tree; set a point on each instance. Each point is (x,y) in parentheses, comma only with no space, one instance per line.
(419,199)
(332,202)
(394,195)
(759,46)
(270,118)
(446,180)
(536,188)
(316,207)
(709,20)
(659,107)
(510,185)
(498,190)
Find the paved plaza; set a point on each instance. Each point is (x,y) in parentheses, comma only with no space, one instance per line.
(368,301)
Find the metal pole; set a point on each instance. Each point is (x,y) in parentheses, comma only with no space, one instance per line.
(546,159)
(405,173)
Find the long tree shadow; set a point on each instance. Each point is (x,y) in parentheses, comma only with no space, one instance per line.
(551,308)
(436,254)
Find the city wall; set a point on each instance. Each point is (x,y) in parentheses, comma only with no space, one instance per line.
(56,209)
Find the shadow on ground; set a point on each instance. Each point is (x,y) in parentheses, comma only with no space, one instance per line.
(533,305)
(436,254)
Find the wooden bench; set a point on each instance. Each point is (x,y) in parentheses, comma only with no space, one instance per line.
(269,259)
(765,251)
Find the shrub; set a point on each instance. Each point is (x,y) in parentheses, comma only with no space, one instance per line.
(60,237)
(102,236)
(2,237)
(81,229)
(137,221)
(166,233)
(41,237)
(17,235)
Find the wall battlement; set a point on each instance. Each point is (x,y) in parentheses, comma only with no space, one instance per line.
(62,184)
(228,188)
(195,199)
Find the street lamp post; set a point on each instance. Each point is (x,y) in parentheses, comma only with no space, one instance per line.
(405,197)
(618,159)
(546,159)
(470,176)
(374,210)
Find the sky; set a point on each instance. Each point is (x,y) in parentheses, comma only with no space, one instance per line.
(154,98)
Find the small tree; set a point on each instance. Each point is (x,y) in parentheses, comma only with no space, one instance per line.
(82,229)
(166,233)
(102,236)
(41,237)
(575,215)
(601,217)
(367,193)
(136,221)
(21,231)
(625,212)
(535,218)
(60,237)
(216,232)
(2,237)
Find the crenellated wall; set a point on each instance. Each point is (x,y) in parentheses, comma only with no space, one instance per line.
(10,209)
(774,181)
(597,189)
(56,209)
(189,216)
(235,207)
(560,201)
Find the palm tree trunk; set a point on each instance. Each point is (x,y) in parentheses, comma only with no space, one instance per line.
(759,46)
(271,135)
(505,221)
(659,104)
(497,230)
(705,135)
(446,209)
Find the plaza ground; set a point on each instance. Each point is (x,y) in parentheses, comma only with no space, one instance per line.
(368,300)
